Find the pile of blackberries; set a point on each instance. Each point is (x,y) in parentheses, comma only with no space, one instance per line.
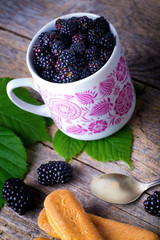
(78,47)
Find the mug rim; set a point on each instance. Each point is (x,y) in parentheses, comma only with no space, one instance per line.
(44,28)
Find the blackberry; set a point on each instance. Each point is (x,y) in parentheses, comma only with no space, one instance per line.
(47,62)
(58,66)
(84,72)
(78,48)
(79,37)
(54,172)
(91,53)
(152,204)
(105,55)
(70,75)
(107,41)
(40,50)
(67,58)
(57,78)
(59,23)
(85,23)
(69,27)
(81,62)
(18,195)
(57,48)
(95,65)
(47,38)
(47,74)
(94,36)
(102,23)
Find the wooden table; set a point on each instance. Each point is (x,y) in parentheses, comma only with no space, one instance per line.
(137,23)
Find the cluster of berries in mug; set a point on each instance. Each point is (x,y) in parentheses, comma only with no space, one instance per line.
(77,48)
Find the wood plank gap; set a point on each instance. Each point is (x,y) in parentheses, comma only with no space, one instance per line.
(18,34)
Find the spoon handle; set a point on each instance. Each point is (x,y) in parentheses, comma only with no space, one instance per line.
(153,183)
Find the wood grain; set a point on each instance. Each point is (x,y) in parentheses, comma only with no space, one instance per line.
(137,23)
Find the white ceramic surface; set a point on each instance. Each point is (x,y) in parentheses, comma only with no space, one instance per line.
(88,109)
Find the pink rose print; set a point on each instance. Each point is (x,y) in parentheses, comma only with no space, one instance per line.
(106,86)
(124,100)
(122,70)
(98,126)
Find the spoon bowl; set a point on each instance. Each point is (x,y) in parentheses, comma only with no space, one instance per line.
(119,188)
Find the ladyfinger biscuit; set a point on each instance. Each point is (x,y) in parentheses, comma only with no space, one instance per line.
(108,229)
(44,224)
(112,230)
(67,216)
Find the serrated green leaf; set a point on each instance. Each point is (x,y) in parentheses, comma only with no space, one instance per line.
(112,148)
(29,127)
(67,147)
(12,158)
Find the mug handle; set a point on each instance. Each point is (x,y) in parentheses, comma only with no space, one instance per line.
(25,82)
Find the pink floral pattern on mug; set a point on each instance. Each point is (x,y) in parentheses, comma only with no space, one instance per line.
(86,97)
(124,101)
(94,110)
(122,70)
(97,126)
(106,87)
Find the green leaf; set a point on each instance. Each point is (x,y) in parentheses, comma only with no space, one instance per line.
(139,89)
(67,147)
(112,148)
(12,158)
(29,127)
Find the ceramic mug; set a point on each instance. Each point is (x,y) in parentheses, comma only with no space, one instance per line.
(89,109)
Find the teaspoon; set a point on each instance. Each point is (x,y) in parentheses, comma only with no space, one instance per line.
(118,188)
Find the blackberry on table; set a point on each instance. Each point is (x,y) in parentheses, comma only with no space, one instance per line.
(85,23)
(95,65)
(54,172)
(152,204)
(67,58)
(78,48)
(107,41)
(102,23)
(18,195)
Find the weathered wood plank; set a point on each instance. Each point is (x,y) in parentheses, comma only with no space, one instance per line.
(132,213)
(138,28)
